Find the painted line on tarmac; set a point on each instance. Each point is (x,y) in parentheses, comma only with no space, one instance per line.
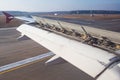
(8,28)
(23,63)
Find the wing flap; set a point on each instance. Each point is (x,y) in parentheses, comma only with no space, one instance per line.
(55,60)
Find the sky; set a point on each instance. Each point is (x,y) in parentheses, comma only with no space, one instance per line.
(58,5)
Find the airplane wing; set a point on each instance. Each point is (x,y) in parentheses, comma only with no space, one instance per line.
(10,17)
(98,63)
(26,19)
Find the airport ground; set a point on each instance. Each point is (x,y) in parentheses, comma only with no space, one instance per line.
(87,16)
(12,50)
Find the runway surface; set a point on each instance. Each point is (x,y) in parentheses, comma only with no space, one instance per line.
(12,50)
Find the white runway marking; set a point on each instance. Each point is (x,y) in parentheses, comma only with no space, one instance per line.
(8,28)
(25,61)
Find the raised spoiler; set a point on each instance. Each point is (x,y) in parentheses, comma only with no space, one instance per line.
(114,36)
(91,60)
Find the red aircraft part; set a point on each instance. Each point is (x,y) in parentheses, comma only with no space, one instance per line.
(9,17)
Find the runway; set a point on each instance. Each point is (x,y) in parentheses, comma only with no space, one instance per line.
(12,50)
(9,67)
